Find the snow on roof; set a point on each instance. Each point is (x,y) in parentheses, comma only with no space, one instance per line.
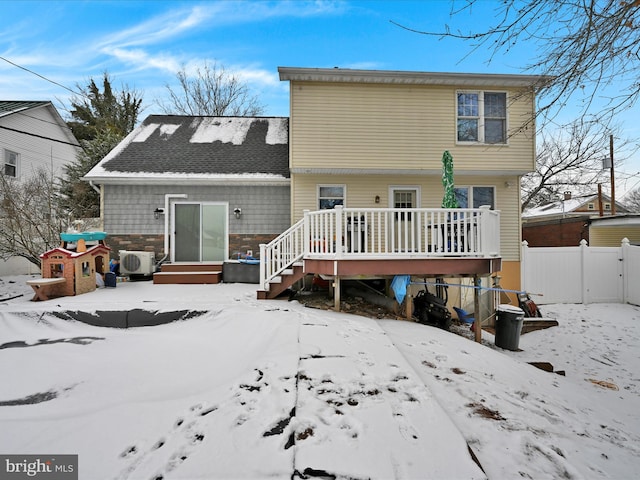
(556,208)
(198,147)
(234,130)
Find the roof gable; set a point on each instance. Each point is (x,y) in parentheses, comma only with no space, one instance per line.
(9,107)
(169,146)
(574,206)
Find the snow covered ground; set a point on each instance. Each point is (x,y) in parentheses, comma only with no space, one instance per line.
(271,389)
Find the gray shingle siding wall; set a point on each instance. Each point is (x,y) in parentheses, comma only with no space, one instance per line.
(129,209)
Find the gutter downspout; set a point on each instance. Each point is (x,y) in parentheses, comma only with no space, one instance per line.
(97,189)
(167,197)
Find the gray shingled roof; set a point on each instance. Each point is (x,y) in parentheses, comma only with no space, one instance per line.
(165,144)
(7,107)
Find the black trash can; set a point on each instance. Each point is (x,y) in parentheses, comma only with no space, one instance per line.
(110,279)
(509,320)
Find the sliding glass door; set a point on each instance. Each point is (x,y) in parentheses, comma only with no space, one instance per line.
(200,232)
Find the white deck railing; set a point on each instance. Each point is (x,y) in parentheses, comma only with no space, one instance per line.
(383,233)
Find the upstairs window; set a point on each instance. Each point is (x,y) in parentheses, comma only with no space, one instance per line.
(482,117)
(10,163)
(330,195)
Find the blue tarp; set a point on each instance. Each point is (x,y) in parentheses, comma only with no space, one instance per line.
(399,286)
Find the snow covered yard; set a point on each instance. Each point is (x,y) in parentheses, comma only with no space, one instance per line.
(271,389)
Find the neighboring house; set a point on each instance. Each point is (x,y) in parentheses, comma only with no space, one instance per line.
(612,230)
(565,222)
(373,141)
(196,189)
(32,136)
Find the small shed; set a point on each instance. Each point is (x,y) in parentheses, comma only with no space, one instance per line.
(79,267)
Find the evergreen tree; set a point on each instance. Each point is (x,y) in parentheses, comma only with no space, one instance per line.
(96,111)
(76,195)
(101,119)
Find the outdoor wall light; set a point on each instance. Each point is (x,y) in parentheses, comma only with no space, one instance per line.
(508,184)
(157,212)
(237,212)
(377,199)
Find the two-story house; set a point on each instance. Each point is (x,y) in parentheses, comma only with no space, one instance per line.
(33,136)
(371,143)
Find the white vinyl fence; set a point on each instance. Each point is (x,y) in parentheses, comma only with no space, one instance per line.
(582,274)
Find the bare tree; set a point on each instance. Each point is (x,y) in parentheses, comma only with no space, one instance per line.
(632,200)
(30,216)
(585,46)
(571,158)
(211,90)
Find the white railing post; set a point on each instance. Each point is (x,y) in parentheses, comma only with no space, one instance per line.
(306,232)
(263,266)
(484,226)
(339,216)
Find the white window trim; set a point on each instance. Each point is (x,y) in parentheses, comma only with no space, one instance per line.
(393,188)
(5,161)
(331,185)
(481,118)
(470,193)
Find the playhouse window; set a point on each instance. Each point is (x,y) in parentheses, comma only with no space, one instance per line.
(86,271)
(57,270)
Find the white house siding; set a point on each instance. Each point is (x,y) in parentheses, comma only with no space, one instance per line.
(395,126)
(129,209)
(361,191)
(36,152)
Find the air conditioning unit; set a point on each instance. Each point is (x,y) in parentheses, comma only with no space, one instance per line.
(137,263)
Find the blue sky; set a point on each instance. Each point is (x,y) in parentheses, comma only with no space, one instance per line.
(143,43)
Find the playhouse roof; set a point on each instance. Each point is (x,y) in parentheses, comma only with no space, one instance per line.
(93,250)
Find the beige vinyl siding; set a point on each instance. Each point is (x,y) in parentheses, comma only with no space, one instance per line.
(361,191)
(612,236)
(397,127)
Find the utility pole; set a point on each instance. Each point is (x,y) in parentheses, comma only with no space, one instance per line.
(613,183)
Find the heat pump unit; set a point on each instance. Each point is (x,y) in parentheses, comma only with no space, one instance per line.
(137,263)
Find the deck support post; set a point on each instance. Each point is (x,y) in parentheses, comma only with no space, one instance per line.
(477,327)
(336,293)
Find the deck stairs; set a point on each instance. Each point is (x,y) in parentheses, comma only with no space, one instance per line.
(188,273)
(280,283)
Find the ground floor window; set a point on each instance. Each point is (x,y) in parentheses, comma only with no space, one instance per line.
(330,195)
(475,197)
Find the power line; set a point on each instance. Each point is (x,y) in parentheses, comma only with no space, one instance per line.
(40,136)
(41,76)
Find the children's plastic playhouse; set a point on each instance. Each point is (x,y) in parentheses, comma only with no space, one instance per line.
(71,269)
